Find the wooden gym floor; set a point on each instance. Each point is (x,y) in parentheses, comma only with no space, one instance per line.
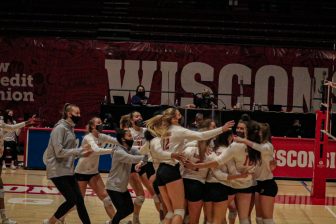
(30,197)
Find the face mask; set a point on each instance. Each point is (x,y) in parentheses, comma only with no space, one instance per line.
(140,123)
(100,128)
(141,94)
(75,119)
(129,142)
(241,134)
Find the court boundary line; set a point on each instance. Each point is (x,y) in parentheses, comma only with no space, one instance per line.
(330,211)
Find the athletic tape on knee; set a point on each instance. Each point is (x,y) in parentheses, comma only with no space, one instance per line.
(180,212)
(244,221)
(268,221)
(2,193)
(259,220)
(156,198)
(169,215)
(139,200)
(107,201)
(232,214)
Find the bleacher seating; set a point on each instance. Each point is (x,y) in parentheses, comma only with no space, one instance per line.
(287,23)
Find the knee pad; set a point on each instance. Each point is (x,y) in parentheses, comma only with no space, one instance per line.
(268,221)
(2,193)
(232,214)
(169,215)
(156,198)
(180,212)
(244,221)
(139,200)
(107,202)
(259,220)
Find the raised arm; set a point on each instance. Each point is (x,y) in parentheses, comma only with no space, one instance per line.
(108,139)
(124,157)
(95,148)
(196,135)
(259,147)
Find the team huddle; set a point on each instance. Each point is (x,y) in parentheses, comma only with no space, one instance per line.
(185,171)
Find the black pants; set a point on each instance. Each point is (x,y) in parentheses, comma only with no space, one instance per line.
(10,151)
(122,201)
(68,187)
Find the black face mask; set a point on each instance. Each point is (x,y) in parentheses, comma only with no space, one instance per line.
(141,94)
(75,119)
(140,123)
(129,142)
(10,118)
(241,134)
(100,128)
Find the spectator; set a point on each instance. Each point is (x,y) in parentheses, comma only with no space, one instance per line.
(109,123)
(139,98)
(295,131)
(205,100)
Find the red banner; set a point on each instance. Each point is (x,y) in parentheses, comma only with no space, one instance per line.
(38,75)
(295,158)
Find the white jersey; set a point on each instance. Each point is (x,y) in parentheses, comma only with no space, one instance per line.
(238,153)
(89,165)
(179,136)
(138,137)
(221,173)
(192,153)
(263,171)
(154,149)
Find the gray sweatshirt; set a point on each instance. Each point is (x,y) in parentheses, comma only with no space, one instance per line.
(122,161)
(61,151)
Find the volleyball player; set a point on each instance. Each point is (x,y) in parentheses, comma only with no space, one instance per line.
(219,193)
(59,159)
(146,172)
(86,171)
(154,149)
(245,159)
(118,178)
(267,188)
(4,128)
(173,140)
(194,179)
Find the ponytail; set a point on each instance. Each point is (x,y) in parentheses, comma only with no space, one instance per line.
(66,108)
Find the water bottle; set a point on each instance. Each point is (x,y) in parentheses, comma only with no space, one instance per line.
(176,103)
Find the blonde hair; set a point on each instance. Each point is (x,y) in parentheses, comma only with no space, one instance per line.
(91,122)
(159,124)
(67,108)
(125,121)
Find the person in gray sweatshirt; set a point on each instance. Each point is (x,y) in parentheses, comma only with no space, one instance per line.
(59,159)
(116,185)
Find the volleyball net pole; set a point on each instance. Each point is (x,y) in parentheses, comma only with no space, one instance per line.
(322,134)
